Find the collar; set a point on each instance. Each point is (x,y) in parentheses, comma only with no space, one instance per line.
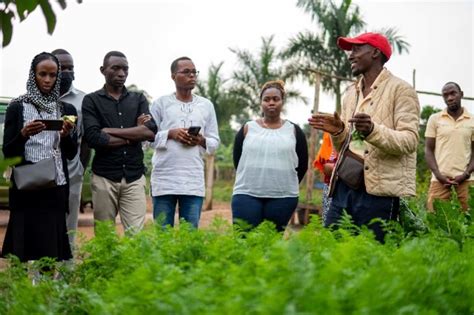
(72,90)
(190,102)
(465,113)
(103,92)
(383,75)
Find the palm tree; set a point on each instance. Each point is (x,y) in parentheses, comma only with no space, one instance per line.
(225,104)
(319,51)
(254,72)
(399,44)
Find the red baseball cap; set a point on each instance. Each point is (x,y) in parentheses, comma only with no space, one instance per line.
(373,39)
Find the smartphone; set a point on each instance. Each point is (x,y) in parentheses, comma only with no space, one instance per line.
(52,124)
(194,130)
(324,114)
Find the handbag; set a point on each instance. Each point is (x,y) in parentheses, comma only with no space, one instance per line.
(351,170)
(349,167)
(39,175)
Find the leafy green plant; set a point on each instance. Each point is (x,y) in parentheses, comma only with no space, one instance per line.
(226,270)
(21,9)
(449,221)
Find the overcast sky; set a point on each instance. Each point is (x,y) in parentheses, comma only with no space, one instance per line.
(153,33)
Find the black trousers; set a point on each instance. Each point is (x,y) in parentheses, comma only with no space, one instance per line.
(362,207)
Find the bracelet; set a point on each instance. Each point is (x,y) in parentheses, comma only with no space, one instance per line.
(339,132)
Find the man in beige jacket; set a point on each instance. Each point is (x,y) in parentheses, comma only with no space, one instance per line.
(378,129)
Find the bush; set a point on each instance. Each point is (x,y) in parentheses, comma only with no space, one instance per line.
(226,271)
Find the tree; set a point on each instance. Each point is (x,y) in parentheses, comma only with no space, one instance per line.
(226,107)
(254,72)
(135,88)
(11,9)
(422,171)
(319,50)
(225,104)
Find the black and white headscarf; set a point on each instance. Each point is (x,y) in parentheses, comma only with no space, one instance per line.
(44,102)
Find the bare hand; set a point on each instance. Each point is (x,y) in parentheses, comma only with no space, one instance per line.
(329,123)
(67,127)
(32,128)
(142,119)
(460,178)
(362,123)
(328,168)
(195,140)
(446,181)
(180,135)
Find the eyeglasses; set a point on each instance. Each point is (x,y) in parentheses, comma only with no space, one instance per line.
(188,72)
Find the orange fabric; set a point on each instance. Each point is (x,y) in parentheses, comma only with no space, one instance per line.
(324,154)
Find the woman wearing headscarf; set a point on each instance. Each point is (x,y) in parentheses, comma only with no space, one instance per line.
(271,158)
(37,224)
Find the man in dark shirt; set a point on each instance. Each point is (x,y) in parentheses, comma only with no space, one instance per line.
(116,121)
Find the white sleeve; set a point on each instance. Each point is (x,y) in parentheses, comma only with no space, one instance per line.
(161,137)
(211,130)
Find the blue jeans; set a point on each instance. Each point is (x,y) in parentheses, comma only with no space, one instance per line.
(255,210)
(189,208)
(362,207)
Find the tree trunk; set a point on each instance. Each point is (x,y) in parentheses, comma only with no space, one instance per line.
(209,181)
(313,140)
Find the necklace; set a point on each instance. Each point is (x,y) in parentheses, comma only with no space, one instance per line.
(280,123)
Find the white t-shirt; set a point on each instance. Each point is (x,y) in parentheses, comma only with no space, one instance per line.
(179,169)
(267,167)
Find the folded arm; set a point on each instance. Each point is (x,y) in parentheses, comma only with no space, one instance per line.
(133,134)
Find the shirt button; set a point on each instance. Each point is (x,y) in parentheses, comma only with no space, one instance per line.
(366,168)
(124,152)
(366,152)
(120,114)
(123,166)
(121,126)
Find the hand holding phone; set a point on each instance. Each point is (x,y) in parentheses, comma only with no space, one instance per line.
(52,124)
(322,114)
(194,130)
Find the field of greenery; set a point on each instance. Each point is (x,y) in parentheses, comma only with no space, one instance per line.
(426,266)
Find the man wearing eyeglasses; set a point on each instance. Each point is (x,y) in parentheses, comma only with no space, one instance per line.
(188,128)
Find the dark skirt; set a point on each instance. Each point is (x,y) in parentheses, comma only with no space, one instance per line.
(37,225)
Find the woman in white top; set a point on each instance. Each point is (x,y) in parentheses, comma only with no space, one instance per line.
(271,158)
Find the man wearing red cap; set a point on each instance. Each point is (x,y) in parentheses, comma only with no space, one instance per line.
(376,136)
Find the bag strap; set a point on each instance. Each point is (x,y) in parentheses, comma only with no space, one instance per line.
(348,139)
(344,148)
